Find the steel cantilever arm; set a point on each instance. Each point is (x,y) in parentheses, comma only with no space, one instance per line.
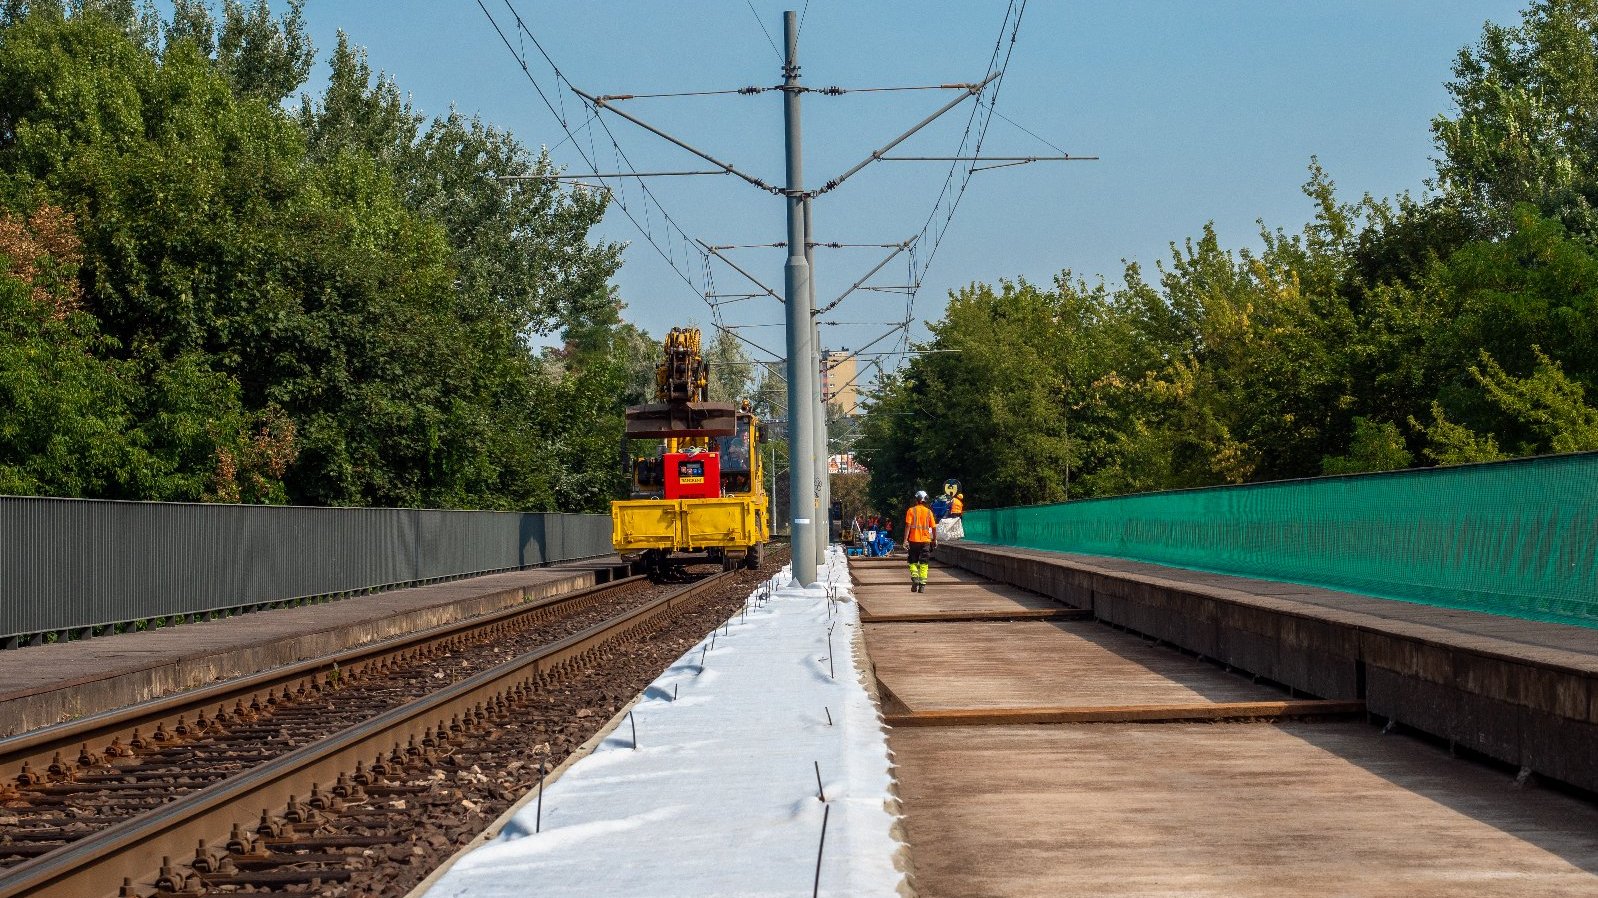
(714,251)
(729,168)
(971,91)
(857,284)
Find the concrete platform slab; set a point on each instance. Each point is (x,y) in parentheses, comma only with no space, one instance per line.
(898,573)
(47,684)
(1233,810)
(1281,709)
(1522,691)
(944,596)
(886,592)
(1021,663)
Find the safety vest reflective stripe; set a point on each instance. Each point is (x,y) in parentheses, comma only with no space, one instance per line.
(918,522)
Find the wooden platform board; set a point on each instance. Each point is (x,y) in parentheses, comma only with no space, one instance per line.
(1228,811)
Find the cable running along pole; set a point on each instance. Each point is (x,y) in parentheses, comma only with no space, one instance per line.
(823,466)
(803,368)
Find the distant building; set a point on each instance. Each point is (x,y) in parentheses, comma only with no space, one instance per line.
(845,464)
(838,385)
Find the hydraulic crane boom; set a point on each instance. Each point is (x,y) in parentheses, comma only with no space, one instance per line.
(682,409)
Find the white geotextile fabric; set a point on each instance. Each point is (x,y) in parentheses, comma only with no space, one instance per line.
(950,529)
(720,797)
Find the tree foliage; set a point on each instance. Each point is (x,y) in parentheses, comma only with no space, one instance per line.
(1455,328)
(209,296)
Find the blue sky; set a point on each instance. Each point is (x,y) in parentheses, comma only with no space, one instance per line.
(1200,111)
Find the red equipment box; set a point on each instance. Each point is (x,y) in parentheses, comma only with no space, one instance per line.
(696,476)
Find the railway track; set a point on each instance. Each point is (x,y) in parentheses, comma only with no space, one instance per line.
(301,777)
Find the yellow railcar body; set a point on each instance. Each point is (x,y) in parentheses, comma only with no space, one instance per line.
(689,525)
(661,519)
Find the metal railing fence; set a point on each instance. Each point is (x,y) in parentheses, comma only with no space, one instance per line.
(73,566)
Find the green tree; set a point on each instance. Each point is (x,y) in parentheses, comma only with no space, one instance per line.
(852,492)
(261,56)
(359,113)
(302,314)
(1449,443)
(1546,409)
(731,369)
(1376,446)
(1526,130)
(75,422)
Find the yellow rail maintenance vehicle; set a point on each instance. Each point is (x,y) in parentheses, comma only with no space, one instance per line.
(701,498)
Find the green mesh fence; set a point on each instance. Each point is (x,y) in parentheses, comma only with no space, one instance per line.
(1516,538)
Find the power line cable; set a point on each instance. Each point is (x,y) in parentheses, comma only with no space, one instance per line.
(763,30)
(521,25)
(918,264)
(703,291)
(1024,128)
(745,91)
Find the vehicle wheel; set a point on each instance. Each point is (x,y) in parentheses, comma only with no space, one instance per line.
(655,566)
(756,557)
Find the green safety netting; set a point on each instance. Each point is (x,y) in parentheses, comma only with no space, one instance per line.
(1517,538)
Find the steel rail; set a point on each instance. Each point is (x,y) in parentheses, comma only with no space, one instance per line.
(98,864)
(38,747)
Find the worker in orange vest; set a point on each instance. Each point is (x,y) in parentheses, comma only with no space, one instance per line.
(957,507)
(921,535)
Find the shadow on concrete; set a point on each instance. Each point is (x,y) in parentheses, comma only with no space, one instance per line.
(1208,679)
(1558,822)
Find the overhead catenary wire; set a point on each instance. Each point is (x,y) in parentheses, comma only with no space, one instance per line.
(977,121)
(762,24)
(949,196)
(836,91)
(783,244)
(755,89)
(674,238)
(972,90)
(571,136)
(703,290)
(1050,144)
(744,91)
(591,156)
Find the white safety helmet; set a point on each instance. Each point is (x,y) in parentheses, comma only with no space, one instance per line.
(921,495)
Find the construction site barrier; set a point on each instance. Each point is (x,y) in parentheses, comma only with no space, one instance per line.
(1516,538)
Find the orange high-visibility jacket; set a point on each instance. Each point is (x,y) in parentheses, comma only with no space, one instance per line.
(919,524)
(957,506)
